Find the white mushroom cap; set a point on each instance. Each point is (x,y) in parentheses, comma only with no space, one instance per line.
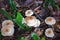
(30,20)
(50,21)
(28,13)
(49,32)
(37,24)
(7,31)
(8,23)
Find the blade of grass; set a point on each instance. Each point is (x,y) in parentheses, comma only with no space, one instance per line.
(35,37)
(5,13)
(13,7)
(12,4)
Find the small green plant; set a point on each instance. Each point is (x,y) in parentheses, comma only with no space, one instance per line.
(35,37)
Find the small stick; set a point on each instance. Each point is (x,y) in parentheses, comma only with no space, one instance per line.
(37,8)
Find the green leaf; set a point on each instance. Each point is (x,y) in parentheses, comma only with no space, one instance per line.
(13,7)
(22,26)
(18,21)
(5,13)
(22,38)
(35,37)
(43,38)
(19,24)
(19,17)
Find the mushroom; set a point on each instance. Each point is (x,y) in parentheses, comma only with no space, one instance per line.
(32,21)
(37,24)
(38,31)
(7,31)
(8,23)
(49,32)
(28,13)
(50,21)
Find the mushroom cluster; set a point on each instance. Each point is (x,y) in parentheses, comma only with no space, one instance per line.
(7,28)
(40,17)
(30,20)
